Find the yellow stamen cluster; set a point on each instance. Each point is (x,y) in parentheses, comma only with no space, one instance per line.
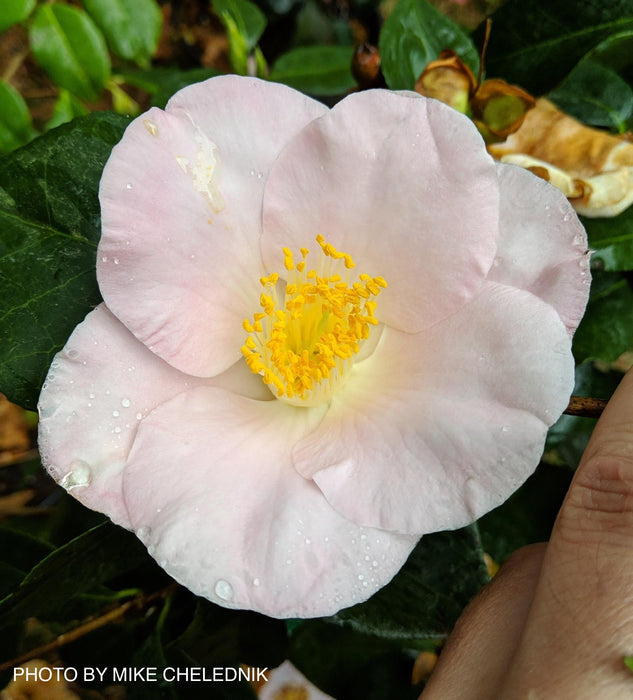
(304,340)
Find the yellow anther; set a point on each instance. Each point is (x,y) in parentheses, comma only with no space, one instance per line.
(302,342)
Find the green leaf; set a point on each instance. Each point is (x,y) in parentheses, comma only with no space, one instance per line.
(594,92)
(72,50)
(611,240)
(249,19)
(528,515)
(606,330)
(66,109)
(316,70)
(628,662)
(349,665)
(93,558)
(131,27)
(21,550)
(15,121)
(162,83)
(426,597)
(50,226)
(413,36)
(535,44)
(244,23)
(14,11)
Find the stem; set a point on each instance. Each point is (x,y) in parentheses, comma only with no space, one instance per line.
(585,406)
(14,65)
(138,603)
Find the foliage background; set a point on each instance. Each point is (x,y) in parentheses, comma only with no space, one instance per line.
(72,74)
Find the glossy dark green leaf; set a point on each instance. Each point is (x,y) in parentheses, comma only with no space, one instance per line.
(413,35)
(316,70)
(131,27)
(220,636)
(428,594)
(606,330)
(535,44)
(162,83)
(93,558)
(15,121)
(14,11)
(49,229)
(347,664)
(527,516)
(611,240)
(21,550)
(594,91)
(70,47)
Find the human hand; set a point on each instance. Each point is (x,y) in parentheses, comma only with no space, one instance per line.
(557,619)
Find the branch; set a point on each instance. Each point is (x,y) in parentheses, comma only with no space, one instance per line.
(585,406)
(138,603)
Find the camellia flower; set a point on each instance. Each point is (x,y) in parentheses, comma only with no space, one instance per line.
(325,334)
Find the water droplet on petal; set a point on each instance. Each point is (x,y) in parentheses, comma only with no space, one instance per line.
(128,186)
(116,414)
(143,532)
(139,416)
(104,258)
(117,429)
(125,403)
(223,589)
(78,475)
(116,261)
(256,582)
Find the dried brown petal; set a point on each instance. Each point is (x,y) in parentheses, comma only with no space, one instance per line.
(500,106)
(590,166)
(447,79)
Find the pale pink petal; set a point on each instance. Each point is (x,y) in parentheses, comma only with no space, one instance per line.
(435,429)
(286,678)
(403,185)
(542,246)
(181,195)
(211,491)
(99,389)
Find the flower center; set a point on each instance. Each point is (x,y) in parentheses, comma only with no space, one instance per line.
(304,340)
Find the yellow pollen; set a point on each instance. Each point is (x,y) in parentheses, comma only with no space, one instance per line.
(304,339)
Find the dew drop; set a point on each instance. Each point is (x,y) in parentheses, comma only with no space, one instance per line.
(143,532)
(223,589)
(260,176)
(374,563)
(308,540)
(125,403)
(288,561)
(128,186)
(116,261)
(78,475)
(117,430)
(251,172)
(104,258)
(256,582)
(116,414)
(360,577)
(139,416)
(504,429)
